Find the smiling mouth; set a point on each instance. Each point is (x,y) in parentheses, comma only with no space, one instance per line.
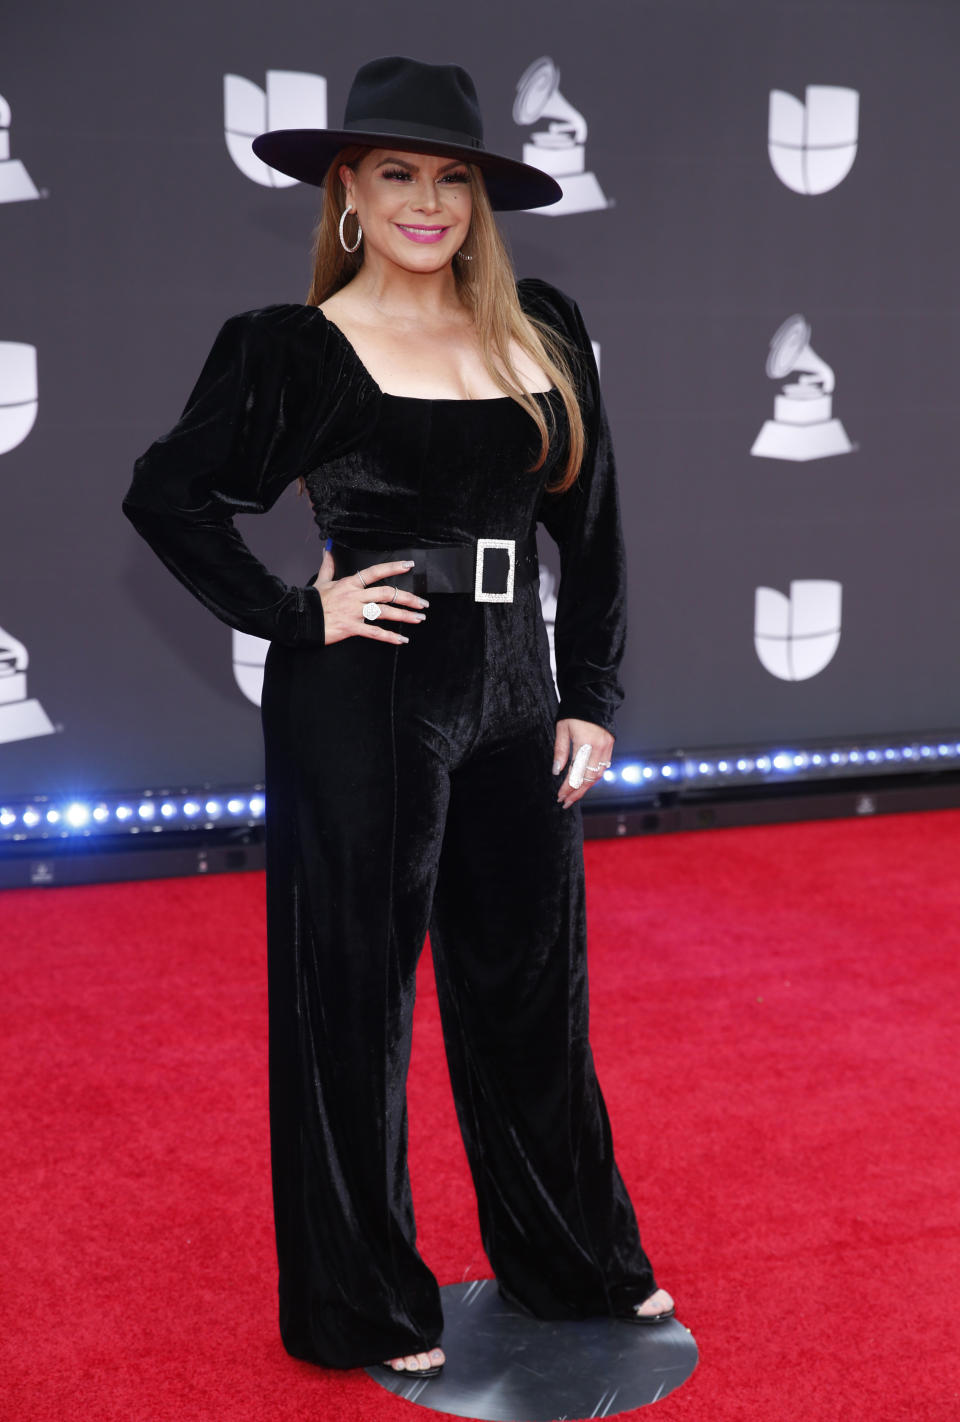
(422,234)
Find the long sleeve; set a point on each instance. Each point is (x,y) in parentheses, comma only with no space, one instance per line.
(584,521)
(234,449)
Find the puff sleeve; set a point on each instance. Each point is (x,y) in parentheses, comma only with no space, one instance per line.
(233,450)
(584,521)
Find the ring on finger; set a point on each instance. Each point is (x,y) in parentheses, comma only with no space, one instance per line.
(371,611)
(362,583)
(396,592)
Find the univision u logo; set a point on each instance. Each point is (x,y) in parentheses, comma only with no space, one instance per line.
(796,636)
(18,392)
(290,100)
(249,655)
(812,144)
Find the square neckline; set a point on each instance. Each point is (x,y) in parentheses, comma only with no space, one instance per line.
(421,399)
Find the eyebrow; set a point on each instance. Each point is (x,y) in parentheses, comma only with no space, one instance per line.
(402,163)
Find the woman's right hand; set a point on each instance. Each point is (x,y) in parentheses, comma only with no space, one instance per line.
(344,598)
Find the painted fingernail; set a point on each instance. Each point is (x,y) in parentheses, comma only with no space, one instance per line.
(404,639)
(407,563)
(423,602)
(557,767)
(579,766)
(420,616)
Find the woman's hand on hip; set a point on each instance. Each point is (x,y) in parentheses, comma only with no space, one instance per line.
(587,751)
(344,601)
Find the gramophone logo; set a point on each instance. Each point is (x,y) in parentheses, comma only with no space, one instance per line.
(16,183)
(796,636)
(812,145)
(290,100)
(18,393)
(249,655)
(20,717)
(803,426)
(560,148)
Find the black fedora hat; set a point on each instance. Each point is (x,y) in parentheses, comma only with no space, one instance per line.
(412,107)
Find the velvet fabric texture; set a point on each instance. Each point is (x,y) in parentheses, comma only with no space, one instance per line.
(410,788)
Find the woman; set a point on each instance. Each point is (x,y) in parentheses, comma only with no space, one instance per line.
(419,770)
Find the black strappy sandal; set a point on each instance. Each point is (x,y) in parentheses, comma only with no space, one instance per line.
(634,1317)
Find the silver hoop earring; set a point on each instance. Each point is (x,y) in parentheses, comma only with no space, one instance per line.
(343,218)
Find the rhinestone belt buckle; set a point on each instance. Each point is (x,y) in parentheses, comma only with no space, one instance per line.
(482,545)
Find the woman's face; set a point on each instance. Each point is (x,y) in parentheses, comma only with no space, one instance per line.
(414,208)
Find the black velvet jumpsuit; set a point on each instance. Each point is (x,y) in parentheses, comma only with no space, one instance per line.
(410,788)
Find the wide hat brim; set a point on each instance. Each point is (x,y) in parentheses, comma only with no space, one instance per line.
(306,154)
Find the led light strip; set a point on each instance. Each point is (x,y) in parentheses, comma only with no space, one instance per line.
(155,811)
(145,812)
(711,770)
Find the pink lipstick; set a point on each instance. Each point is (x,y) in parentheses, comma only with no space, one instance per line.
(422,234)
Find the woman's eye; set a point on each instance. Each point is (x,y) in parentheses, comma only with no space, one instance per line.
(400,175)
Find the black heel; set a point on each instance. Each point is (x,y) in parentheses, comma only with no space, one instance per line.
(634,1317)
(630,1317)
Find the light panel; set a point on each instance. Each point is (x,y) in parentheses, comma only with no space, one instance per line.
(154,812)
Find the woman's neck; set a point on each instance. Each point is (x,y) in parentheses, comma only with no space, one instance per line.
(399,295)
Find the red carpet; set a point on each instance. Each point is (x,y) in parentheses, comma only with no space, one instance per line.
(775,1021)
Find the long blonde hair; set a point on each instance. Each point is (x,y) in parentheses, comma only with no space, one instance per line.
(486,287)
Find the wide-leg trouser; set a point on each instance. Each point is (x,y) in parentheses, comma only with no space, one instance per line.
(410,788)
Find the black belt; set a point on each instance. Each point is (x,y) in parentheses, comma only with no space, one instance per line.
(489,569)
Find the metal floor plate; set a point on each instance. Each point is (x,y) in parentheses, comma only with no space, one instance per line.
(504,1366)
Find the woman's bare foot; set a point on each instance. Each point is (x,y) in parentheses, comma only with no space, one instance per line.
(417,1362)
(660,1302)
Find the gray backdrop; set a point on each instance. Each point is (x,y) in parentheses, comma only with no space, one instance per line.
(146,235)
